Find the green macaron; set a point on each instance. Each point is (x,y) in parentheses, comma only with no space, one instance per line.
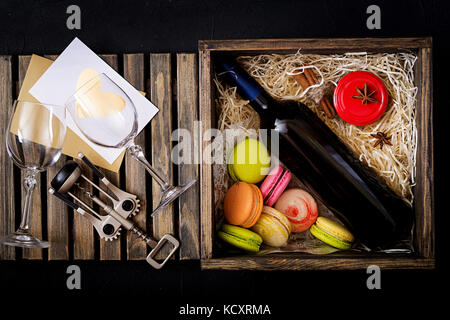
(240,238)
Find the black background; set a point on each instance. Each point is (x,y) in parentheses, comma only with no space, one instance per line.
(28,27)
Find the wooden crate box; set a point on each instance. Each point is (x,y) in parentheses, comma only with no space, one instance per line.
(423,207)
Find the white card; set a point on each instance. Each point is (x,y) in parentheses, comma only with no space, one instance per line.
(59,82)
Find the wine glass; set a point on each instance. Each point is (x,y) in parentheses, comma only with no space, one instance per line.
(34,140)
(107,116)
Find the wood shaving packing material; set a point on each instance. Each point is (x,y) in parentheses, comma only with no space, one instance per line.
(395,164)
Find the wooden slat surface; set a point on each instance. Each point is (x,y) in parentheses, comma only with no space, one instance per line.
(7,216)
(189,202)
(82,229)
(57,215)
(110,250)
(57,219)
(36,203)
(79,242)
(133,66)
(161,128)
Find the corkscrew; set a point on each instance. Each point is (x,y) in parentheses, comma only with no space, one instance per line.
(124,206)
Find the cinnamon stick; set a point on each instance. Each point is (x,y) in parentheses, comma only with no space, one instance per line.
(324,102)
(310,76)
(301,79)
(307,79)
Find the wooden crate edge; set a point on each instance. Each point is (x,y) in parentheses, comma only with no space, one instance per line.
(315,43)
(316,263)
(424,190)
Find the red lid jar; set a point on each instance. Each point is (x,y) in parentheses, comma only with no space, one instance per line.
(352,109)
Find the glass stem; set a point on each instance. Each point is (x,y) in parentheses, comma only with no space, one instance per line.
(137,153)
(29,183)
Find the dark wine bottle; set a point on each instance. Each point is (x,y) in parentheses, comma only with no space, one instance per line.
(350,189)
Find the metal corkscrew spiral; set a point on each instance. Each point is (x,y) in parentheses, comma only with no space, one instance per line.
(141,234)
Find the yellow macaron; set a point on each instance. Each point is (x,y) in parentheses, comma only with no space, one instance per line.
(273,227)
(332,233)
(249,161)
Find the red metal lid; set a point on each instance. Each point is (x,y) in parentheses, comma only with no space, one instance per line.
(352,109)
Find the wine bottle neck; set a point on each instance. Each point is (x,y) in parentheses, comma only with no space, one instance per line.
(264,106)
(247,87)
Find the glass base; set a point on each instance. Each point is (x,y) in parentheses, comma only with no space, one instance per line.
(24,240)
(171,194)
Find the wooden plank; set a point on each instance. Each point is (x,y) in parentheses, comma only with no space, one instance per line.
(317,44)
(7,208)
(82,229)
(57,215)
(133,71)
(57,219)
(110,250)
(189,202)
(306,262)
(206,183)
(424,193)
(161,96)
(36,203)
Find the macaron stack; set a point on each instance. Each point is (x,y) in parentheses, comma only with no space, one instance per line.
(271,211)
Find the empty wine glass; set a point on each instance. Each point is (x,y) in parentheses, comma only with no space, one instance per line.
(107,116)
(34,140)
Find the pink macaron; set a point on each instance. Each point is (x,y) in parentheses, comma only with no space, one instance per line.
(274,184)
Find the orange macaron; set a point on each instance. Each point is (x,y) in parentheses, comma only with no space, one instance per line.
(243,204)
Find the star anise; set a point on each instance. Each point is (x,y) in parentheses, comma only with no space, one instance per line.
(365,96)
(382,139)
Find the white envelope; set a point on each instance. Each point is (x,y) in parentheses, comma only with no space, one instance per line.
(59,82)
